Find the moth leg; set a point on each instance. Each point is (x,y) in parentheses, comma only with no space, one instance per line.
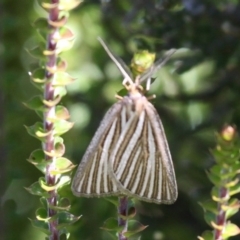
(118,97)
(151,97)
(148,84)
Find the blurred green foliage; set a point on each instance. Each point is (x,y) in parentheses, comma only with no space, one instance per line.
(197,92)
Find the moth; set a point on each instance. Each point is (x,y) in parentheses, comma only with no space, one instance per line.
(129,153)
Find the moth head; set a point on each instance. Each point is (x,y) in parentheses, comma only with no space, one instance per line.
(135,90)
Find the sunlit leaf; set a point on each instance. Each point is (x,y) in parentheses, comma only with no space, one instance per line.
(62,165)
(230,230)
(62,126)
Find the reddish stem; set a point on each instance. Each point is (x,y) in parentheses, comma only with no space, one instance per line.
(122,210)
(48,145)
(221,216)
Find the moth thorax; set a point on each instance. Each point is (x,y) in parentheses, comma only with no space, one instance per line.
(136,104)
(135,91)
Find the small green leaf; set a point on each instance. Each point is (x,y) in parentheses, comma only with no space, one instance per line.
(134,227)
(232,183)
(63,181)
(52,103)
(57,140)
(41,23)
(216,180)
(111,224)
(60,91)
(64,234)
(64,44)
(62,126)
(38,75)
(216,170)
(69,5)
(41,225)
(131,212)
(63,205)
(207,235)
(44,202)
(216,194)
(123,92)
(230,230)
(62,20)
(41,214)
(36,189)
(62,165)
(62,112)
(209,205)
(46,187)
(234,190)
(209,217)
(37,52)
(113,200)
(37,131)
(42,27)
(66,33)
(229,174)
(35,103)
(59,149)
(37,158)
(61,65)
(62,79)
(65,219)
(232,208)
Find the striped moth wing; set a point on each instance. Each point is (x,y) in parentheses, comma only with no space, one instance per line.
(91,178)
(140,163)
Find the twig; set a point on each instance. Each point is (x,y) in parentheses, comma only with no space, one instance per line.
(122,222)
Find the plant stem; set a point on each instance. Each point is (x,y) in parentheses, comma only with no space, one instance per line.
(221,216)
(122,210)
(48,145)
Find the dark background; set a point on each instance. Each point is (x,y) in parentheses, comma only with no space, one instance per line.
(197,93)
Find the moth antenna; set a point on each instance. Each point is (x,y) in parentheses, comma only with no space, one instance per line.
(122,70)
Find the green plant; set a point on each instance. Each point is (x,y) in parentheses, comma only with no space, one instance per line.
(51,79)
(224,176)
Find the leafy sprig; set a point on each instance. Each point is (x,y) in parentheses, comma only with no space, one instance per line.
(51,79)
(224,176)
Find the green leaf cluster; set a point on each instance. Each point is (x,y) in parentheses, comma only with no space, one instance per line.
(141,61)
(224,176)
(134,227)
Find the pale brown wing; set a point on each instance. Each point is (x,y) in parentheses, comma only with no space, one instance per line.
(141,164)
(92,178)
